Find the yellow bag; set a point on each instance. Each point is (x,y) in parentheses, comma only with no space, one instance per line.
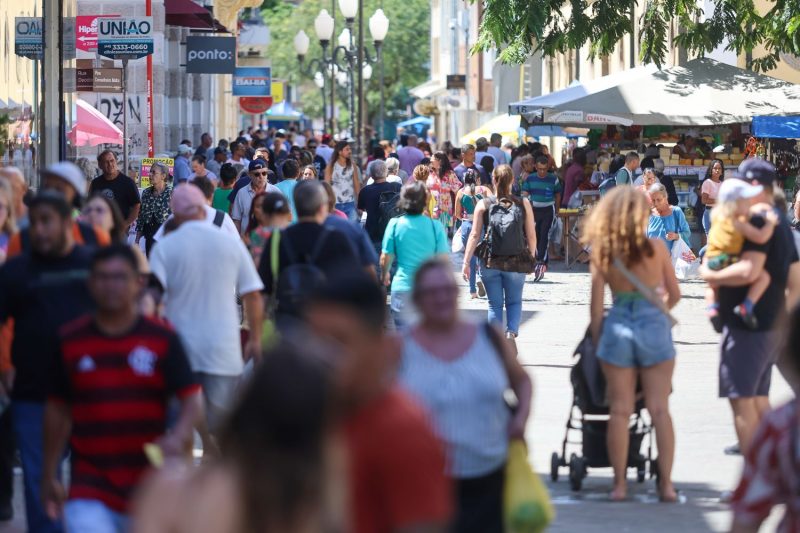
(526,503)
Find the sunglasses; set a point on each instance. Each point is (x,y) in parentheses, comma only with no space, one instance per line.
(264,173)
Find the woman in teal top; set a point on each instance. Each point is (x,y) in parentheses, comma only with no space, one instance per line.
(466,200)
(413,239)
(667,222)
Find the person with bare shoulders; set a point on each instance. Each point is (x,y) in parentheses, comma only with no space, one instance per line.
(634,340)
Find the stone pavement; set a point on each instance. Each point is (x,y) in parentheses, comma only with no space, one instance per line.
(556,314)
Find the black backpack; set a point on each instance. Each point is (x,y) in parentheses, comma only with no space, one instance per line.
(505,227)
(301,277)
(388,207)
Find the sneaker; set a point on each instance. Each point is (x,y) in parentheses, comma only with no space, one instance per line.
(749,319)
(716,319)
(733,449)
(539,272)
(481,289)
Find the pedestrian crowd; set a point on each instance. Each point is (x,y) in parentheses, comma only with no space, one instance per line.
(294,315)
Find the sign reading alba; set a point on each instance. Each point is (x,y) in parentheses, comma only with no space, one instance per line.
(252,81)
(125,38)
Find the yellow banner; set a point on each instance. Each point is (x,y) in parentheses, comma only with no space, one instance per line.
(277,92)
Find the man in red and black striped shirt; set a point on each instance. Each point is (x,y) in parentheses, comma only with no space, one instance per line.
(113,376)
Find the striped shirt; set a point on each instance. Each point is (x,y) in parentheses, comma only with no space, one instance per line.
(465,399)
(542,191)
(117,389)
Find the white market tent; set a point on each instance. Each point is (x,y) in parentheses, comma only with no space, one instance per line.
(703,92)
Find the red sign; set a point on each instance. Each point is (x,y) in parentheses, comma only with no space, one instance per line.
(86,32)
(255,105)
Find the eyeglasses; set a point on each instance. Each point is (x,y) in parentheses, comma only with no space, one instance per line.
(265,173)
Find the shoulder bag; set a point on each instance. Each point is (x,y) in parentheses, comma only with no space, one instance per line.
(648,293)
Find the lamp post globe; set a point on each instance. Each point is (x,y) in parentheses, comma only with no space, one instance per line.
(344,39)
(301,43)
(323,25)
(378,26)
(349,9)
(367,71)
(319,79)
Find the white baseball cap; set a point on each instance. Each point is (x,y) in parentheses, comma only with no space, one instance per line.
(184,149)
(732,190)
(68,172)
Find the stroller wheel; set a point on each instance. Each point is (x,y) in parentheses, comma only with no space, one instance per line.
(654,469)
(555,462)
(577,471)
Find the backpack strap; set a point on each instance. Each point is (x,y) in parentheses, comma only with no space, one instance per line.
(219,218)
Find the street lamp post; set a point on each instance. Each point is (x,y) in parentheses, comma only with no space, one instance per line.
(378,28)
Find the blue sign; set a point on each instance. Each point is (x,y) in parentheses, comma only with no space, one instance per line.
(28,37)
(125,38)
(252,81)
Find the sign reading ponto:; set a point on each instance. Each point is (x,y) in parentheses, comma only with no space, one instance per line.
(28,40)
(125,38)
(210,55)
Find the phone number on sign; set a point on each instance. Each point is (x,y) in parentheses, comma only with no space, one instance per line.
(126,47)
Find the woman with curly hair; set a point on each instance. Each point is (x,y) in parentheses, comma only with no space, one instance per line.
(634,340)
(443,185)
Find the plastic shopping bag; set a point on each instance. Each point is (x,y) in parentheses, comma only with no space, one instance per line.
(556,231)
(526,503)
(686,265)
(458,244)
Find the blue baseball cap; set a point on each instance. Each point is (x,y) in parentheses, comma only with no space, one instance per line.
(257,164)
(756,170)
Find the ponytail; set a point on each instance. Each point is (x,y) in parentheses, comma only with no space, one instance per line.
(503,178)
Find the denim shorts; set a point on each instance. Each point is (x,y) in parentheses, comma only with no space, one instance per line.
(635,334)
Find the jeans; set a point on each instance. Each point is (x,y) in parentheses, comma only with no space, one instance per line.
(635,334)
(93,516)
(349,209)
(7,449)
(466,229)
(28,430)
(402,309)
(707,219)
(219,393)
(504,288)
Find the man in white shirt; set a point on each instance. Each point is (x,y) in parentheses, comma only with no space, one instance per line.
(240,209)
(237,154)
(219,219)
(200,300)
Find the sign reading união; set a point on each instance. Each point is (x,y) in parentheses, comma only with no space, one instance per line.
(252,81)
(210,55)
(125,38)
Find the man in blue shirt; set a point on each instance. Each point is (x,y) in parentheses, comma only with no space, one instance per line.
(290,172)
(182,170)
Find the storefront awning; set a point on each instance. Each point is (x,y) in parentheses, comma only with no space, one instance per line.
(187,14)
(428,89)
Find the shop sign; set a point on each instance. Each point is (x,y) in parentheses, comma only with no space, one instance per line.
(28,41)
(456,81)
(106,80)
(598,118)
(125,38)
(68,37)
(210,55)
(255,105)
(86,31)
(277,91)
(252,81)
(564,116)
(147,162)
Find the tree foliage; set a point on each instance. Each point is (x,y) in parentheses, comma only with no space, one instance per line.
(518,28)
(406,51)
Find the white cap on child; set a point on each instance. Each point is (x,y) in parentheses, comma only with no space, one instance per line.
(733,189)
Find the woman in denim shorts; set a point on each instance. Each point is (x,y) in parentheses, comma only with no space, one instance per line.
(634,341)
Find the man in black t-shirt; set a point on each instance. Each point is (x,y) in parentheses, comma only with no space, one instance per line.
(115,185)
(369,200)
(307,242)
(40,290)
(747,356)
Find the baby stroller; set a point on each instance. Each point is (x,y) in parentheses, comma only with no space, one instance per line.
(588,418)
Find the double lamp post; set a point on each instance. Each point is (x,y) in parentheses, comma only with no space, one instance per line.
(346,62)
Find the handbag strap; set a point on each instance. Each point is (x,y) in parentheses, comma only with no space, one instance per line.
(644,290)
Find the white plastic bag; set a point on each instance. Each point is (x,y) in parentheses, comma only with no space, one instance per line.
(556,232)
(687,266)
(457,245)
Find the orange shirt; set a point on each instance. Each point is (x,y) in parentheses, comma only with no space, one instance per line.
(396,467)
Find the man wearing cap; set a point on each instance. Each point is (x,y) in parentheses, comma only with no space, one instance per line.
(117,186)
(240,209)
(182,170)
(199,300)
(747,355)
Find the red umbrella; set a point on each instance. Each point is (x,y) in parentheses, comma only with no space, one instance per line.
(93,128)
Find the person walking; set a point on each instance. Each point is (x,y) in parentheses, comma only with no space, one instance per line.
(442,184)
(710,189)
(200,300)
(412,239)
(543,189)
(468,162)
(8,227)
(505,222)
(574,176)
(343,174)
(117,186)
(41,291)
(181,170)
(410,155)
(155,206)
(372,198)
(472,417)
(466,200)
(291,174)
(667,222)
(624,176)
(747,356)
(270,213)
(88,408)
(240,209)
(635,338)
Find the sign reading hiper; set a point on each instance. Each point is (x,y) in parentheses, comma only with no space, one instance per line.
(125,38)
(28,40)
(252,81)
(210,55)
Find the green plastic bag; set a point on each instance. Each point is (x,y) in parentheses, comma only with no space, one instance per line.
(269,333)
(526,503)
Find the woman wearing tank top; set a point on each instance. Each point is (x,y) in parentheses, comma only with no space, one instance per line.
(454,368)
(466,200)
(634,339)
(343,175)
